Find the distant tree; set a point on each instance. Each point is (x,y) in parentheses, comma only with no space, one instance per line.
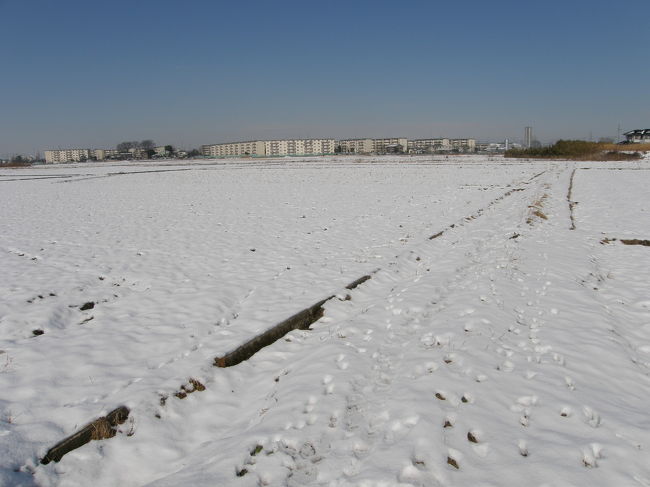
(18,158)
(125,146)
(147,144)
(169,149)
(606,140)
(150,153)
(194,153)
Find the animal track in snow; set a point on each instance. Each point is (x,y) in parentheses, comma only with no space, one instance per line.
(569,383)
(523,448)
(523,406)
(592,418)
(506,366)
(341,363)
(591,454)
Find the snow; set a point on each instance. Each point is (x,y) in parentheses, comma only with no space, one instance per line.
(508,350)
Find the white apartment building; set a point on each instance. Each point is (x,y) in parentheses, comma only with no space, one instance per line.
(395,144)
(377,146)
(55,156)
(463,145)
(298,147)
(355,146)
(103,154)
(248,148)
(68,155)
(426,146)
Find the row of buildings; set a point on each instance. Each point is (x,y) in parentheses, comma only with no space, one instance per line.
(280,147)
(53,156)
(303,147)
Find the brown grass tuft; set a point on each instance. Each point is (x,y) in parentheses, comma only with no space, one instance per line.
(636,241)
(626,147)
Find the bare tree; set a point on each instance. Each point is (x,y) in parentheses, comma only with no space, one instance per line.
(147,144)
(125,146)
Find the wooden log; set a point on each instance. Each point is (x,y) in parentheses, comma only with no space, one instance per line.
(100,429)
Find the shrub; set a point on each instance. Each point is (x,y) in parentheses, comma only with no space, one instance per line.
(572,149)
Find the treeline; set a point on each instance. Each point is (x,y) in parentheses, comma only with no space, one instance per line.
(572,149)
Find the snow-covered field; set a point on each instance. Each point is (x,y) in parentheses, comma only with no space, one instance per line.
(510,350)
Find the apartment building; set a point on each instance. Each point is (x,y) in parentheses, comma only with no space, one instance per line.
(463,145)
(55,156)
(376,146)
(285,147)
(355,146)
(427,146)
(390,145)
(247,148)
(68,155)
(104,154)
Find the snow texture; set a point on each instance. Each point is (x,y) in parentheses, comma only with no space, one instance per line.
(509,350)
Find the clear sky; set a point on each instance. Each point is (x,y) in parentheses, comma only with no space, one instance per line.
(85,73)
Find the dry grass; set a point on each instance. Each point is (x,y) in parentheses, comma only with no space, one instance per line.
(192,386)
(624,241)
(636,241)
(626,147)
(536,208)
(16,164)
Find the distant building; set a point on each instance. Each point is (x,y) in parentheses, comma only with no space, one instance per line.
(283,147)
(373,146)
(528,137)
(390,145)
(68,155)
(105,154)
(493,147)
(463,145)
(427,146)
(355,146)
(638,136)
(55,156)
(138,153)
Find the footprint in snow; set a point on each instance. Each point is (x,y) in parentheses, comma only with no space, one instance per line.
(591,454)
(341,363)
(328,386)
(506,366)
(592,418)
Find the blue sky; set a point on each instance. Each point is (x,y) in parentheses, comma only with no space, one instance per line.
(94,73)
